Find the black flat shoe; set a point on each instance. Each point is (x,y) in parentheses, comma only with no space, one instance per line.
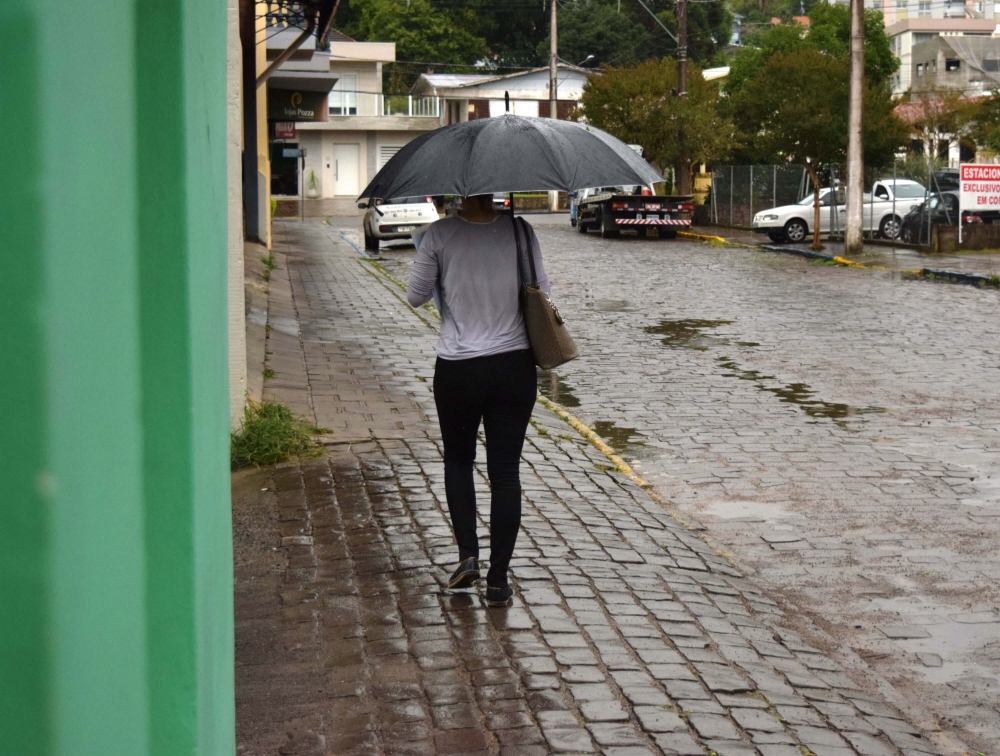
(466,574)
(499,595)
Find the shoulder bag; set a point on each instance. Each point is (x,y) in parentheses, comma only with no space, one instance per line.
(551,343)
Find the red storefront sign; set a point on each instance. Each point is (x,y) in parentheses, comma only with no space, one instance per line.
(980,187)
(284,129)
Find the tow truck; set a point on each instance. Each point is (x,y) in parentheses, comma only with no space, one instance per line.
(611,210)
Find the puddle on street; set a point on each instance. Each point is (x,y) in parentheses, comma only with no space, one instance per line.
(688,334)
(620,439)
(798,394)
(554,388)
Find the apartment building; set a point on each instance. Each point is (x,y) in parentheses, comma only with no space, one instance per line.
(912,22)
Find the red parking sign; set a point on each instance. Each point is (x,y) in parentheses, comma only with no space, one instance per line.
(980,187)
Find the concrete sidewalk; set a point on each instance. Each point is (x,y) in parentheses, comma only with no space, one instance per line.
(629,633)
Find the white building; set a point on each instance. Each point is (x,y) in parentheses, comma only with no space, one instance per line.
(470,96)
(358,130)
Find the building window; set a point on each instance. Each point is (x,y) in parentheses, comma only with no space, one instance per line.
(991,66)
(920,69)
(344,96)
(952,64)
(924,8)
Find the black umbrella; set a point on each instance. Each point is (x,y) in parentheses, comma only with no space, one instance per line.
(509,154)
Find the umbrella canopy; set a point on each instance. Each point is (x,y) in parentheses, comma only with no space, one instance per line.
(509,154)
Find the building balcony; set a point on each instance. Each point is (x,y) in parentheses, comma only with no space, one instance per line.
(411,106)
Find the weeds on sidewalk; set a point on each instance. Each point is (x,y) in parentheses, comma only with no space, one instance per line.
(271,433)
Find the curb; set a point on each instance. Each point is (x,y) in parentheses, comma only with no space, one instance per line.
(953,276)
(709,238)
(598,442)
(930,274)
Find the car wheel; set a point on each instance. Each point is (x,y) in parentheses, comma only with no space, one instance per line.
(796,230)
(668,234)
(907,234)
(776,236)
(889,227)
(371,243)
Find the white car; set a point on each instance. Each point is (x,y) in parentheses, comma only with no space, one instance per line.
(883,212)
(396,219)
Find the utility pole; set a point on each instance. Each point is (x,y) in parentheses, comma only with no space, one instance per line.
(553,58)
(682,169)
(854,233)
(553,84)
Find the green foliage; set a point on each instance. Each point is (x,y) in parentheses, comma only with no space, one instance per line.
(637,106)
(919,168)
(829,32)
(978,121)
(818,102)
(594,28)
(515,32)
(270,434)
(750,60)
(421,32)
(710,25)
(885,134)
(797,107)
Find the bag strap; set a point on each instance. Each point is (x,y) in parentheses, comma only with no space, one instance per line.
(522,279)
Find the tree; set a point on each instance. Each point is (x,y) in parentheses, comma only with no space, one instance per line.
(636,105)
(979,121)
(595,28)
(937,115)
(801,112)
(421,33)
(829,32)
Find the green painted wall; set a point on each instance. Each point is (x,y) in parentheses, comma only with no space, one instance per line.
(115,543)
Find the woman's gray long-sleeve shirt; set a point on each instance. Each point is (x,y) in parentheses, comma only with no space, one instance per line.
(470,269)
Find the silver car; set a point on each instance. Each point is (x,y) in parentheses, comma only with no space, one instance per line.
(396,219)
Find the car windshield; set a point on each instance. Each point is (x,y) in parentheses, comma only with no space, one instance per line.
(909,191)
(824,198)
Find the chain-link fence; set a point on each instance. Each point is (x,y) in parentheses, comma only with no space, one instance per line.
(740,191)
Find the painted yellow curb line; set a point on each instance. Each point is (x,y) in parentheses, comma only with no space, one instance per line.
(624,468)
(597,441)
(705,237)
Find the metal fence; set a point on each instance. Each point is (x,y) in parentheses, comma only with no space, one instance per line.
(739,191)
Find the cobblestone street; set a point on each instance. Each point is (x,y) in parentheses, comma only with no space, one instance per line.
(630,633)
(835,430)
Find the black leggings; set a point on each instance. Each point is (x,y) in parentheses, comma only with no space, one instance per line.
(498,390)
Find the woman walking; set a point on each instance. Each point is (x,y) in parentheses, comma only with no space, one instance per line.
(485,372)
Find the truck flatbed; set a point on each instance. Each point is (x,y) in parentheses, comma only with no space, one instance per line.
(610,213)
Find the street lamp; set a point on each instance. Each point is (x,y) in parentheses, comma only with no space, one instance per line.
(585,60)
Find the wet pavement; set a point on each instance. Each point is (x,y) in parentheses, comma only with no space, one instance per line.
(835,430)
(630,633)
